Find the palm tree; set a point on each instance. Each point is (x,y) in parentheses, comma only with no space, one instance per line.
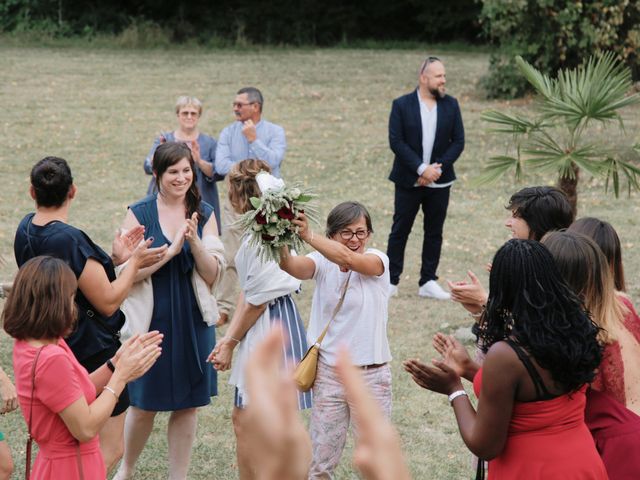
(557,137)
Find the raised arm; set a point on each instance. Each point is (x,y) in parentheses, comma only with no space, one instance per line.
(107,296)
(272,148)
(300,267)
(206,264)
(84,420)
(336,252)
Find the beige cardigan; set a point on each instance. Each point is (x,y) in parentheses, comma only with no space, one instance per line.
(138,306)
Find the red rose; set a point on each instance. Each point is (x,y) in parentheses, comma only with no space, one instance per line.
(286,213)
(267,238)
(261,219)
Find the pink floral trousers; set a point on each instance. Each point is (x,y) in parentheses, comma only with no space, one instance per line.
(332,414)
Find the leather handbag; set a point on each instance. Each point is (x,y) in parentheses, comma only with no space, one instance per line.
(305,373)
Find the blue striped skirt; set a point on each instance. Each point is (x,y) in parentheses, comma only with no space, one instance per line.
(283,309)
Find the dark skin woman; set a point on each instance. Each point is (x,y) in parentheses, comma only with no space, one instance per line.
(541,350)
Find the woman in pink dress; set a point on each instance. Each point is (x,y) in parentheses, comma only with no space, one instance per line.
(63,405)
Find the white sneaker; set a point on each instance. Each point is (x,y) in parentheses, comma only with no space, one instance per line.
(393,290)
(431,289)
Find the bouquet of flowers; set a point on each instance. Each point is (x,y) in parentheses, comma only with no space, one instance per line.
(269,224)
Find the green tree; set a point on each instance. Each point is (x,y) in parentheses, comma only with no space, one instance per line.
(555,34)
(559,136)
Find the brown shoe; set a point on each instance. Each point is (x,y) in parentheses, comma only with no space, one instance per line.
(223,319)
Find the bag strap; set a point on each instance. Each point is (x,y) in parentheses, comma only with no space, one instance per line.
(335,310)
(27,472)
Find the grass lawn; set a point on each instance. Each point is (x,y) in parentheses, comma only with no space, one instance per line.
(101,109)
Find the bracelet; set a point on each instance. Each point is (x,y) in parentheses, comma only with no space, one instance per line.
(456,394)
(479,314)
(233,338)
(110,365)
(311,239)
(108,388)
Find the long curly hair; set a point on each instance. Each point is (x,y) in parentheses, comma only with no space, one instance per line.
(529,302)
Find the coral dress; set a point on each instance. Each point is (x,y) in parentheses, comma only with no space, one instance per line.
(60,381)
(547,439)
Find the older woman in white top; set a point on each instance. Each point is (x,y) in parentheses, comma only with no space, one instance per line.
(343,261)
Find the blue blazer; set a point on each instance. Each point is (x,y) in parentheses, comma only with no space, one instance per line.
(405,139)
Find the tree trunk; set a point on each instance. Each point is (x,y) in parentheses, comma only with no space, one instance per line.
(570,188)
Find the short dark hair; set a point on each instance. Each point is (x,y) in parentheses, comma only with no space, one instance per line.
(253,95)
(51,180)
(607,239)
(40,303)
(543,208)
(428,61)
(168,154)
(345,214)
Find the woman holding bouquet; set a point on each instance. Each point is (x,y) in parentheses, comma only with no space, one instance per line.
(343,266)
(265,298)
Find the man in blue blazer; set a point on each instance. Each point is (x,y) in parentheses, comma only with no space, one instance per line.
(427,137)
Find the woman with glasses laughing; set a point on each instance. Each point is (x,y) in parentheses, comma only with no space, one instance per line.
(352,293)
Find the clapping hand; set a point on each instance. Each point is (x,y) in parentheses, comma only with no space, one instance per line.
(125,242)
(378,454)
(138,354)
(472,295)
(454,355)
(145,256)
(8,394)
(277,438)
(191,233)
(438,377)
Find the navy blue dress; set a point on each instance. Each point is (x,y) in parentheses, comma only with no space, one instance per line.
(181,378)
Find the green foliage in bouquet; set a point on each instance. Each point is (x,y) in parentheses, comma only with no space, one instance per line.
(270,224)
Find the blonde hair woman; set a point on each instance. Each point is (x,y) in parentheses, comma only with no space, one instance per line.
(203,148)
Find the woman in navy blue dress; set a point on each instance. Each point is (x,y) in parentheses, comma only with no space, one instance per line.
(183,380)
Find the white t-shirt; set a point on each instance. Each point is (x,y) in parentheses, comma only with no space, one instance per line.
(361,323)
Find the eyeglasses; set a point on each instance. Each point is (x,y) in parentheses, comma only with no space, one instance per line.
(189,114)
(240,104)
(428,61)
(348,234)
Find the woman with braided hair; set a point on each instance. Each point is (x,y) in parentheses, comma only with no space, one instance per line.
(541,352)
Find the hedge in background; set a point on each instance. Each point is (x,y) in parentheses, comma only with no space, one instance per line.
(274,22)
(555,34)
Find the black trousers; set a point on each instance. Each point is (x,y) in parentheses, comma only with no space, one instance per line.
(407,202)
